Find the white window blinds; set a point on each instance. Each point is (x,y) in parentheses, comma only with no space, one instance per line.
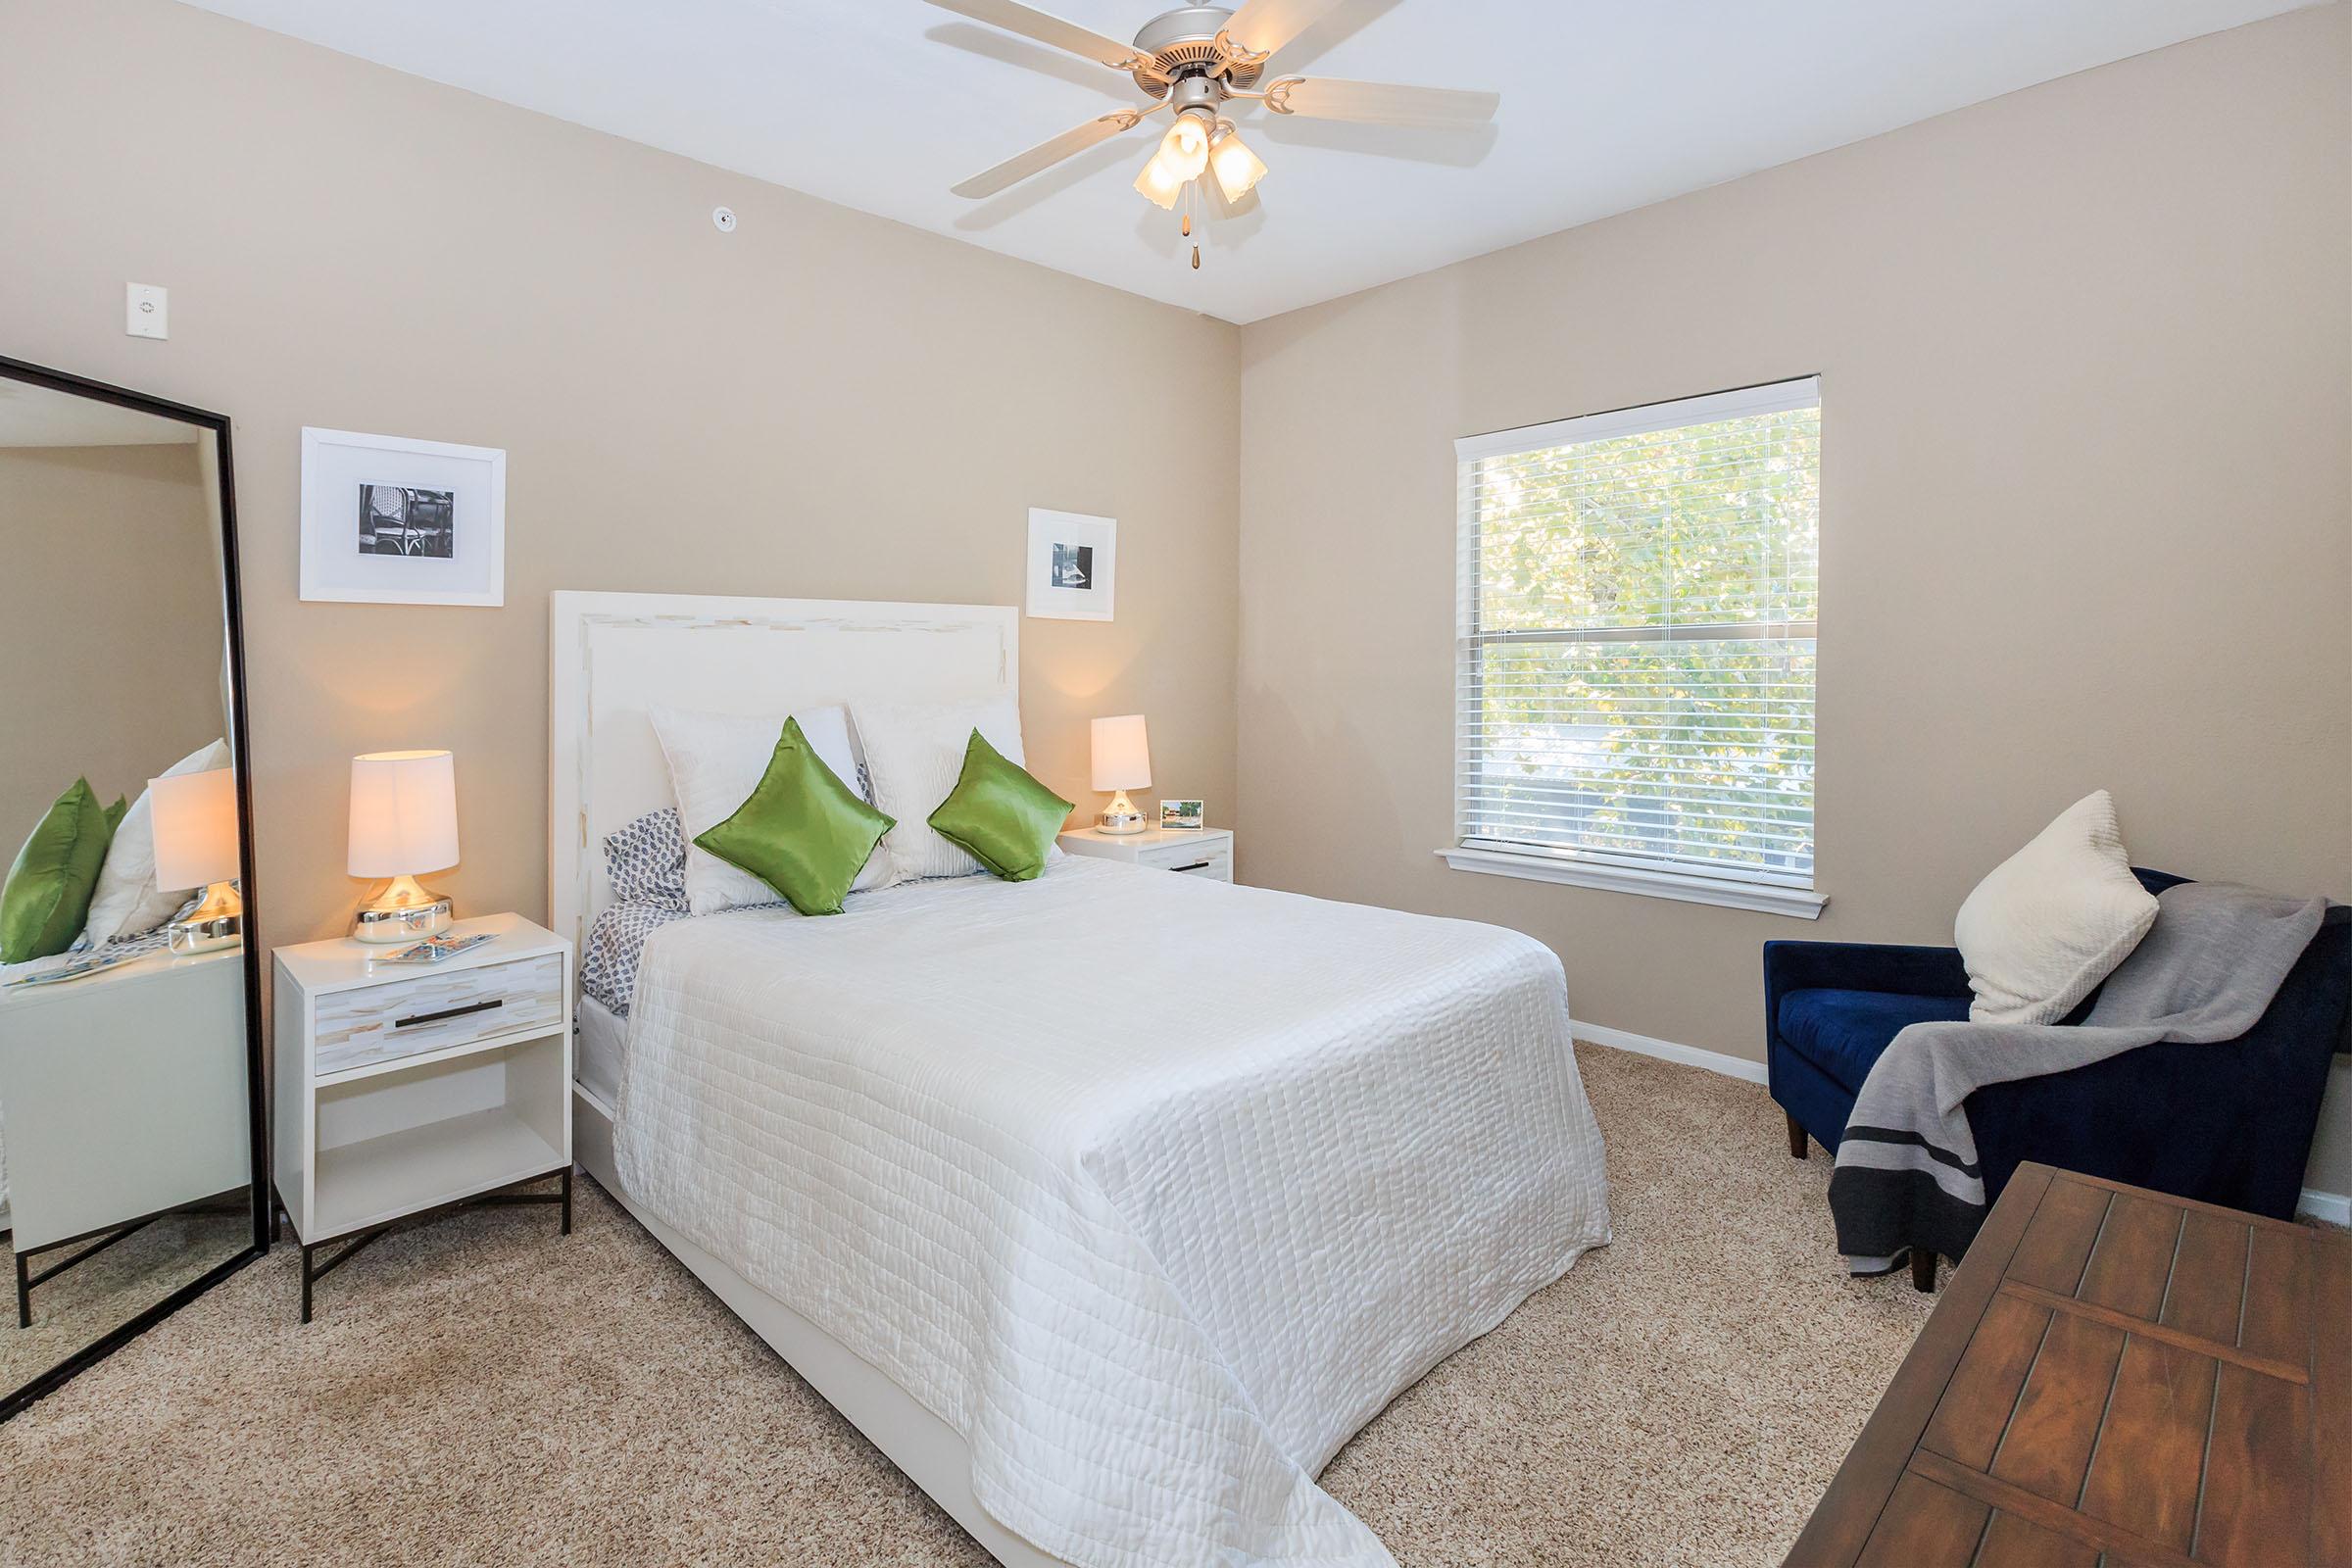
(1635,664)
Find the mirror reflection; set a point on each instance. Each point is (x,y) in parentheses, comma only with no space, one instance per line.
(126,1154)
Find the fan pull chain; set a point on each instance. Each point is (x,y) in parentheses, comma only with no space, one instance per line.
(1191,189)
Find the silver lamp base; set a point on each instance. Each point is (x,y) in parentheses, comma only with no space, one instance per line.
(402,912)
(1120,816)
(218,921)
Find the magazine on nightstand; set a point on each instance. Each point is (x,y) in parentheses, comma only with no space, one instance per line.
(438,950)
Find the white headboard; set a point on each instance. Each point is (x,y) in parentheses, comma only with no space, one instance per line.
(611,657)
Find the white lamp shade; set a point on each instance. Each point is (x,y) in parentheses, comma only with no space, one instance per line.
(404,813)
(1122,754)
(194,816)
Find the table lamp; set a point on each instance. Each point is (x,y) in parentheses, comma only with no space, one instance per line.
(404,820)
(1122,763)
(194,818)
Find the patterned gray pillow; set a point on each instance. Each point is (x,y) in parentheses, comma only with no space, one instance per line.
(647,861)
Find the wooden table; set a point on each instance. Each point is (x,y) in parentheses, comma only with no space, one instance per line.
(2116,1372)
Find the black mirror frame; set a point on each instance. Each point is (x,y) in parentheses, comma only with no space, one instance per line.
(240,753)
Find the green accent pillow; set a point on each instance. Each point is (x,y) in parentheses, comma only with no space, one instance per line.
(998,815)
(47,895)
(804,832)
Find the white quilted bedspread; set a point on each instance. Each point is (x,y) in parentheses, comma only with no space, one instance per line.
(1154,1189)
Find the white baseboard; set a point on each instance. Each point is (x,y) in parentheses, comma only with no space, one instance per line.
(2334,1208)
(1667,1050)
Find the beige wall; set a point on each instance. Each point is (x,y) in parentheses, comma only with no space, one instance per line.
(820,405)
(2087,507)
(109,622)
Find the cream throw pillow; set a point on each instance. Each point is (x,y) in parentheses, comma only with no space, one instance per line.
(914,753)
(715,761)
(2054,919)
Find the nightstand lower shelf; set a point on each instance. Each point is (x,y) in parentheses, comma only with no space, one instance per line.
(398,1173)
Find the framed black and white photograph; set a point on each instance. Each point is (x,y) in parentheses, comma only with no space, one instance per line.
(393,522)
(1073,564)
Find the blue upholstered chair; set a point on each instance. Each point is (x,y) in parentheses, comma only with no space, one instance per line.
(2228,1123)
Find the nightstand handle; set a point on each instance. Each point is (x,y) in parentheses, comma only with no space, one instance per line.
(450,1012)
(1197,865)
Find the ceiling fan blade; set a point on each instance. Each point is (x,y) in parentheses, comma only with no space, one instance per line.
(1030,23)
(1380,103)
(1046,154)
(1267,26)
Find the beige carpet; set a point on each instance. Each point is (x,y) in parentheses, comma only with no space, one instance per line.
(110,1288)
(477,1392)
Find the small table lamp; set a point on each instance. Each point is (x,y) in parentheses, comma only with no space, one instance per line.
(404,819)
(1122,763)
(194,816)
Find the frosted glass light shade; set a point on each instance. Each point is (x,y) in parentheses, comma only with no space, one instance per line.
(1186,147)
(1160,182)
(195,823)
(1237,168)
(404,813)
(1122,754)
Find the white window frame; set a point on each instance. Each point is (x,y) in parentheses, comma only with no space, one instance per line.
(1769,893)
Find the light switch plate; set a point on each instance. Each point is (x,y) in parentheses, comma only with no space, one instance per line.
(146,309)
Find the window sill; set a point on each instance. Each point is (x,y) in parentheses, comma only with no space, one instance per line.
(1761,897)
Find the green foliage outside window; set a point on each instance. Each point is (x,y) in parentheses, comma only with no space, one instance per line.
(1640,666)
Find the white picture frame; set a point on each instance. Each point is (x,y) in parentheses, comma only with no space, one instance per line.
(1070,545)
(388,520)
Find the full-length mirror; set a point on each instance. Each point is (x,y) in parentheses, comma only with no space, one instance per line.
(129,1044)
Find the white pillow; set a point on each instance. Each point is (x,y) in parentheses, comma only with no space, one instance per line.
(715,761)
(2054,919)
(126,902)
(914,753)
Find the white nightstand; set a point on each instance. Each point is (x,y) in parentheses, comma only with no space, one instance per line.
(402,1089)
(1202,852)
(126,1096)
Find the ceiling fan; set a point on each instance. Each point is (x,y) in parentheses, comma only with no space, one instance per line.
(1195,60)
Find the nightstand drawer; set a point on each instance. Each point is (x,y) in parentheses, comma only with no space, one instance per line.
(1212,859)
(361,1027)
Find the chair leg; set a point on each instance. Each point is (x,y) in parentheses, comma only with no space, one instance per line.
(1796,1136)
(1923,1271)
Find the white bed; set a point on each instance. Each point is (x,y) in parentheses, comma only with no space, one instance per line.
(604,1038)
(1109,1260)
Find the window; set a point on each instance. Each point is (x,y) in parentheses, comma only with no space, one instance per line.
(1634,662)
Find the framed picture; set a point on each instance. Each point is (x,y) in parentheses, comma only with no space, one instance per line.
(388,521)
(1073,564)
(1182,813)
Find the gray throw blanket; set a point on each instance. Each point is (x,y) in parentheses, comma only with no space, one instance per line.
(1907,1174)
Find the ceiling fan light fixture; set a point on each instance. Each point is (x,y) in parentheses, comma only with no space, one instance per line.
(1237,168)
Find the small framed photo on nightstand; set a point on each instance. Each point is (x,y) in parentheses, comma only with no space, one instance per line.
(1184,814)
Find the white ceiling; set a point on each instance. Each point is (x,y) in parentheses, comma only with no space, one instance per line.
(1607,105)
